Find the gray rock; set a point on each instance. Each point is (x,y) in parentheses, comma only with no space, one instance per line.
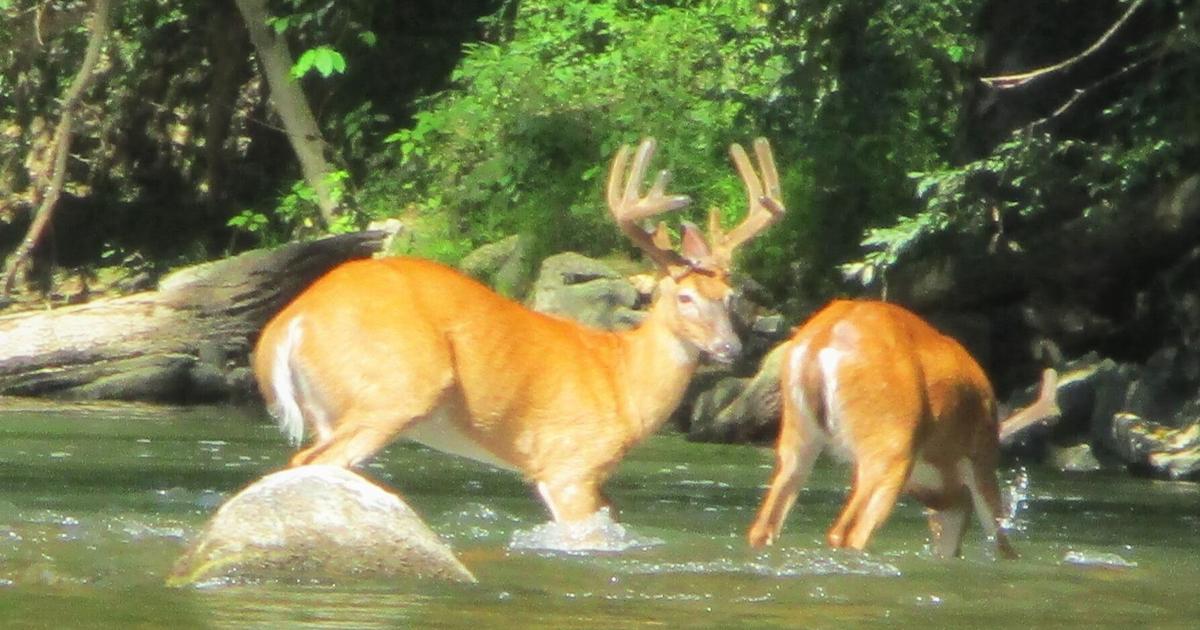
(1078,458)
(1173,452)
(772,325)
(585,290)
(739,409)
(501,265)
(321,522)
(1180,464)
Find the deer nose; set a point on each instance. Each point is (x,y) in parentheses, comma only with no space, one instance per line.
(726,350)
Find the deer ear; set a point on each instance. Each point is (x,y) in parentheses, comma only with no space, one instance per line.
(694,246)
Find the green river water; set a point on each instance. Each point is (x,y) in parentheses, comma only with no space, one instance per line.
(97,502)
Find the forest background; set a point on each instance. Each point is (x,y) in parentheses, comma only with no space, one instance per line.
(1031,163)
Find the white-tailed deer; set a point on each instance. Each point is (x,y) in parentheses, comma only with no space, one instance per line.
(908,406)
(378,349)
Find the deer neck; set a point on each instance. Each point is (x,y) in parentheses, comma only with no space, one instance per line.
(657,367)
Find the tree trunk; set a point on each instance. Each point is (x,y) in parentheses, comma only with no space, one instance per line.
(228,51)
(187,342)
(61,147)
(288,99)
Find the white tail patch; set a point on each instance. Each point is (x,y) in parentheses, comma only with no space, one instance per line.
(283,383)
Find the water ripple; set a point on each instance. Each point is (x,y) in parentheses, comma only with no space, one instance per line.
(798,563)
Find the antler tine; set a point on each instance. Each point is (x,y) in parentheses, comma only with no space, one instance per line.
(764,198)
(628,208)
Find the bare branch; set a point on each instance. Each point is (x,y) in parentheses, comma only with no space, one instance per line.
(1009,81)
(1083,92)
(1044,409)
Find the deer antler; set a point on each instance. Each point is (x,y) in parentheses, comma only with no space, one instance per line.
(763,197)
(628,209)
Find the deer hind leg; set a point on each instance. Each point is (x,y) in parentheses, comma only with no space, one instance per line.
(948,523)
(800,442)
(980,479)
(362,431)
(878,483)
(358,436)
(792,468)
(571,500)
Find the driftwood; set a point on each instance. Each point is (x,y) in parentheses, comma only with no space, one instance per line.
(186,342)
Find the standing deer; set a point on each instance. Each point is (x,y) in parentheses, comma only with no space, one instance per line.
(908,406)
(379,349)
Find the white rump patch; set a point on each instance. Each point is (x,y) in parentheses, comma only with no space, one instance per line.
(812,427)
(830,358)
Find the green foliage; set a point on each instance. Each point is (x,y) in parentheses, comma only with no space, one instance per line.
(522,143)
(250,222)
(873,109)
(295,214)
(848,96)
(1089,158)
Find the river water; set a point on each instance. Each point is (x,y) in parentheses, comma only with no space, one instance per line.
(97,502)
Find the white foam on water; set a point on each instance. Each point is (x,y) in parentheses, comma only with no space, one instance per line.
(1102,559)
(597,533)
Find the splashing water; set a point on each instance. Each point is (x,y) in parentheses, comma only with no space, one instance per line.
(599,532)
(1016,500)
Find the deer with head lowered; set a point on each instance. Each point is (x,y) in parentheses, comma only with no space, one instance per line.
(909,407)
(403,347)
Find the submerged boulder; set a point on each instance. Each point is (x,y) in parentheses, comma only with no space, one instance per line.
(321,522)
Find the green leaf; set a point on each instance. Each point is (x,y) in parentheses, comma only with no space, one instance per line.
(278,24)
(324,59)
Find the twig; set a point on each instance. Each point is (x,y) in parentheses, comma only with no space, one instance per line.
(61,145)
(1084,91)
(1009,81)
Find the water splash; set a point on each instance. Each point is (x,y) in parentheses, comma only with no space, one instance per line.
(1016,500)
(598,532)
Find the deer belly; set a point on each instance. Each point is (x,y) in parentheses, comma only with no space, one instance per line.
(440,432)
(929,485)
(924,479)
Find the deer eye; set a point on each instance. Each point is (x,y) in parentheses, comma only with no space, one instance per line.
(686,298)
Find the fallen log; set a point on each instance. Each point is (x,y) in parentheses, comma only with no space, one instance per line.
(189,341)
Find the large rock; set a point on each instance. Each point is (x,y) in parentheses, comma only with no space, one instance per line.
(320,522)
(740,409)
(501,265)
(585,290)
